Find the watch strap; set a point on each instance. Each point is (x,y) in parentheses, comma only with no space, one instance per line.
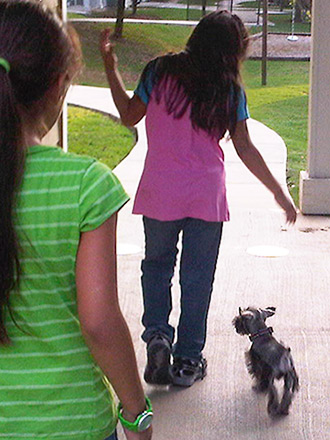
(136,425)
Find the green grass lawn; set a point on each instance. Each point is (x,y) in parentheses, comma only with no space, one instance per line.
(169,13)
(94,134)
(283,23)
(251,4)
(153,13)
(278,23)
(282,104)
(140,44)
(198,2)
(255,5)
(74,15)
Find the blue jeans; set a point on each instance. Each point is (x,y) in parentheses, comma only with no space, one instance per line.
(113,436)
(200,248)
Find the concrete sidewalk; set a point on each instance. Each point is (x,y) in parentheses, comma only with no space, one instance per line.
(223,406)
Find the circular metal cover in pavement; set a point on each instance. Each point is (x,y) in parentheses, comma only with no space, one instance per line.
(267,251)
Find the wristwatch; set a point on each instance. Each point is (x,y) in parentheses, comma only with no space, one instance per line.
(142,421)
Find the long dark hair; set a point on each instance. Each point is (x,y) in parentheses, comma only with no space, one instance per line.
(206,75)
(38,49)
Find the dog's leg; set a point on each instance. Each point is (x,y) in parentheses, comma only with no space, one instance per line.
(273,403)
(264,379)
(290,386)
(259,370)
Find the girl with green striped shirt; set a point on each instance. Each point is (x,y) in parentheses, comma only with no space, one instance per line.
(63,339)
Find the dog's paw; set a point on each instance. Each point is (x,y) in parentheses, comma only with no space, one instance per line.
(260,388)
(284,412)
(273,409)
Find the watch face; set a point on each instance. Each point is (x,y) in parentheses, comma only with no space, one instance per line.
(145,421)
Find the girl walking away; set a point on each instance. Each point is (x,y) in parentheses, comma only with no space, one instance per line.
(63,339)
(190,100)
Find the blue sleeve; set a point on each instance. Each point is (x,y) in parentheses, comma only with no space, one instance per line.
(146,83)
(242,108)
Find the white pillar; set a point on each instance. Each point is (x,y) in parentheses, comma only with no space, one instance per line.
(315,182)
(58,134)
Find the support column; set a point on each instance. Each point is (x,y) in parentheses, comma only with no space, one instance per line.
(315,182)
(58,134)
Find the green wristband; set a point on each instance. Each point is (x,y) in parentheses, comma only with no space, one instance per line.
(142,421)
(4,64)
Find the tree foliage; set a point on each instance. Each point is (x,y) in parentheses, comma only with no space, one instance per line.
(302,7)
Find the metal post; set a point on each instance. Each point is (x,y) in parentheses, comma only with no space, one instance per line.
(293,37)
(258,13)
(264,42)
(187,10)
(204,7)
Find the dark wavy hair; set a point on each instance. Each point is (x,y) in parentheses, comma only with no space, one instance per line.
(38,49)
(205,77)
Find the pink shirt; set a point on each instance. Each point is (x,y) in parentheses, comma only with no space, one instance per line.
(184,174)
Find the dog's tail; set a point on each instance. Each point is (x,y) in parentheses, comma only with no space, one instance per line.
(293,380)
(291,385)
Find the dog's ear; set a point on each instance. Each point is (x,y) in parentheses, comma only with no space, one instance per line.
(268,312)
(237,323)
(240,311)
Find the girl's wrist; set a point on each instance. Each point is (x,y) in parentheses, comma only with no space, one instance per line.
(132,413)
(129,416)
(111,70)
(139,422)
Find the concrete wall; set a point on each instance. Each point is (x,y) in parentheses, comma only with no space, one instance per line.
(315,182)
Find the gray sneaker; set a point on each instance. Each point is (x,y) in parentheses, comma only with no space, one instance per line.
(185,371)
(159,351)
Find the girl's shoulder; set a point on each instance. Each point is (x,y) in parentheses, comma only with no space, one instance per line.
(164,66)
(48,162)
(163,63)
(53,157)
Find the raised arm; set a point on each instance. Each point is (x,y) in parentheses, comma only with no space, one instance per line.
(131,110)
(251,157)
(102,323)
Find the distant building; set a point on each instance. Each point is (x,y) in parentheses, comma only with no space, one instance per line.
(89,5)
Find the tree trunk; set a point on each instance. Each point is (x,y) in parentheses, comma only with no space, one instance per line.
(302,6)
(204,7)
(118,33)
(298,12)
(134,6)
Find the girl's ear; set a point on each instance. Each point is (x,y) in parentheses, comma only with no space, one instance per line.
(53,101)
(57,91)
(61,85)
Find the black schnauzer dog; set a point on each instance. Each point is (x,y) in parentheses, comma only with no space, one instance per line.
(267,359)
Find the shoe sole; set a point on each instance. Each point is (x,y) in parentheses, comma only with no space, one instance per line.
(188,380)
(157,369)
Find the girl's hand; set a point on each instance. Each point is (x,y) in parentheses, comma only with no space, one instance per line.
(107,50)
(145,435)
(287,204)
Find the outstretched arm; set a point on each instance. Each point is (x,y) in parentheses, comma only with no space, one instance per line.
(102,323)
(251,157)
(131,110)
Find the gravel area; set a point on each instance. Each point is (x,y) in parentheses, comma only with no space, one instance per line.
(279,47)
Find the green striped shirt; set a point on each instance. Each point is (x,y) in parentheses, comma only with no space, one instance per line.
(50,387)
